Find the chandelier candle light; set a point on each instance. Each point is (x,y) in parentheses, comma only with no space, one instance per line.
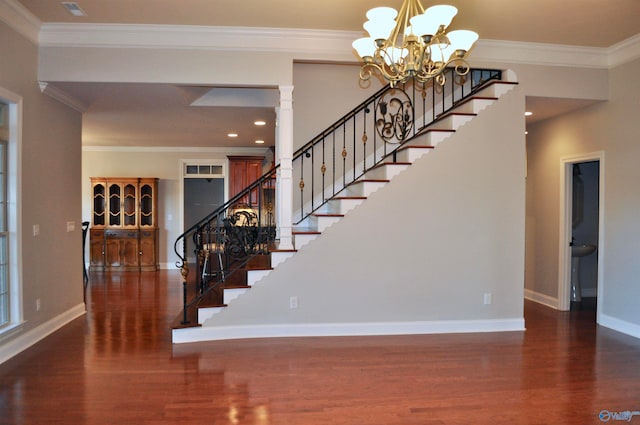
(413,43)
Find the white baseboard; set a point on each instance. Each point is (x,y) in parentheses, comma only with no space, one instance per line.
(619,325)
(541,298)
(216,333)
(27,339)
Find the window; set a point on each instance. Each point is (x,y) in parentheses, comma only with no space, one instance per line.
(11,312)
(4,238)
(203,170)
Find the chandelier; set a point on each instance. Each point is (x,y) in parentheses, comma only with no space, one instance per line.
(413,43)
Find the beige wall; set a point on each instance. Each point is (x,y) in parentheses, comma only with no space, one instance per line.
(612,127)
(322,94)
(50,193)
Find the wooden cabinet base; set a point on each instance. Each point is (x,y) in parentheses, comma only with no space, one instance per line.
(123,250)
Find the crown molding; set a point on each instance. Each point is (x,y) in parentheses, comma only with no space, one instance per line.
(624,52)
(62,96)
(20,19)
(299,43)
(539,54)
(304,44)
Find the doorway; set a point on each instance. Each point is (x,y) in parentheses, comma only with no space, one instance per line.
(201,197)
(581,247)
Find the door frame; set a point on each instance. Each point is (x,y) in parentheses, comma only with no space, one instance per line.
(565,233)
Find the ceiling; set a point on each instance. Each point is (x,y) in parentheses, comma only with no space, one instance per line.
(160,115)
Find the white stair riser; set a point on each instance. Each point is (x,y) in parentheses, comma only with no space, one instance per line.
(230,294)
(496,90)
(322,223)
(385,171)
(474,106)
(279,257)
(412,154)
(364,188)
(254,276)
(301,240)
(205,313)
(452,122)
(340,206)
(436,137)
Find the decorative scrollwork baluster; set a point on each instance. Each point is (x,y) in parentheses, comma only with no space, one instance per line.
(395,116)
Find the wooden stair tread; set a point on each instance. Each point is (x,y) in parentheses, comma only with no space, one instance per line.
(348,198)
(441,130)
(416,147)
(328,215)
(382,164)
(306,232)
(454,113)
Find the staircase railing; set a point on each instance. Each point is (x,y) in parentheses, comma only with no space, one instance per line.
(368,134)
(224,242)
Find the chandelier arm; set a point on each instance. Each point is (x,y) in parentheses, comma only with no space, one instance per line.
(389,63)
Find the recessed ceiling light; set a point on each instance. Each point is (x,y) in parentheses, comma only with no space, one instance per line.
(528,114)
(232,135)
(260,122)
(260,142)
(73,8)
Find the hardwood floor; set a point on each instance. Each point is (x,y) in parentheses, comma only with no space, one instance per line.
(117,366)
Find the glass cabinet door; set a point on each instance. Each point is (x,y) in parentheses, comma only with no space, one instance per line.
(129,204)
(147,213)
(115,200)
(99,204)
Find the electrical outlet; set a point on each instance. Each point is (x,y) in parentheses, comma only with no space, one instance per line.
(293,303)
(487,298)
(71,226)
(38,304)
(36,229)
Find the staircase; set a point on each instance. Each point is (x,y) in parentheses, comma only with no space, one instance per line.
(318,212)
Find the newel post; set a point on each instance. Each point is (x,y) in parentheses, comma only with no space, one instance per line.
(284,153)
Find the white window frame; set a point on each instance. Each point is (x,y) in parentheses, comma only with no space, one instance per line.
(12,131)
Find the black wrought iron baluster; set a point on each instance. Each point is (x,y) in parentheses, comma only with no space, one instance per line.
(333,162)
(354,147)
(344,155)
(301,186)
(424,104)
(364,140)
(413,101)
(313,174)
(323,169)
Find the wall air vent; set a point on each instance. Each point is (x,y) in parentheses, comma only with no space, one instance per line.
(73,8)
